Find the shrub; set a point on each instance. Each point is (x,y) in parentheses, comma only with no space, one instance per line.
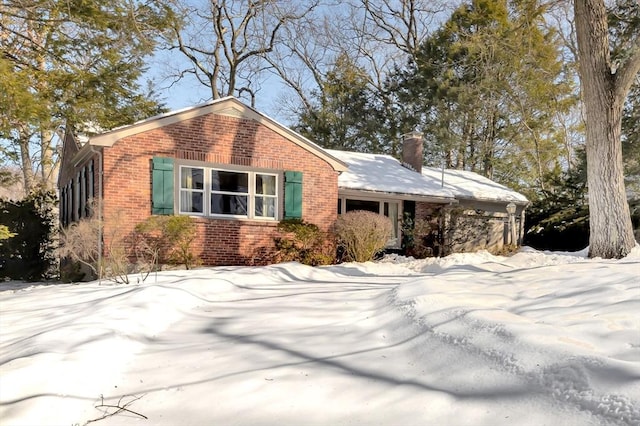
(303,242)
(420,237)
(362,234)
(30,253)
(558,218)
(506,250)
(181,232)
(167,239)
(149,242)
(557,227)
(70,271)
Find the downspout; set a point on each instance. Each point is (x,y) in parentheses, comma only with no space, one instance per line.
(100,230)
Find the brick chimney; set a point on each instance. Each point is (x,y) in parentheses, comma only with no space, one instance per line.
(412,147)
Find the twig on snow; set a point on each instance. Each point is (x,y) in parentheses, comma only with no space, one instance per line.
(119,407)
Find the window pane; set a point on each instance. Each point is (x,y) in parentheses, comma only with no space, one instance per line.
(391,211)
(265,207)
(191,202)
(229,204)
(192,178)
(265,184)
(229,181)
(371,206)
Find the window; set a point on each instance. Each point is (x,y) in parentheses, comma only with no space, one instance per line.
(229,192)
(69,209)
(370,206)
(266,199)
(89,190)
(83,193)
(192,190)
(63,206)
(220,192)
(76,197)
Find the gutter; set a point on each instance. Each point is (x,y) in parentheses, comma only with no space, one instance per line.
(349,192)
(494,200)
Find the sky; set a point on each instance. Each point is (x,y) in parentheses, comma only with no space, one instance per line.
(538,338)
(188,91)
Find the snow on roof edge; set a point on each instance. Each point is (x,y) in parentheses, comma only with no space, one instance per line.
(473,186)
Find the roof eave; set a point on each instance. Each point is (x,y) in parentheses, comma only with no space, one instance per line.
(493,200)
(396,195)
(85,152)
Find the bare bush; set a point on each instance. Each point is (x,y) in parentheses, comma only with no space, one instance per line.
(150,243)
(80,242)
(362,234)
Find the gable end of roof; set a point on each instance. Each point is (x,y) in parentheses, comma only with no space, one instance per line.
(230,107)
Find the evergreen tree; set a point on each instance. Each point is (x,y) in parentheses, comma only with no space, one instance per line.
(70,62)
(485,89)
(624,25)
(343,116)
(29,253)
(558,218)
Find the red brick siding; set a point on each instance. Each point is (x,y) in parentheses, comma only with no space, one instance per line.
(222,140)
(427,210)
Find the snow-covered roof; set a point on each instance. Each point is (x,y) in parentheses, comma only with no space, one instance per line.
(469,185)
(385,174)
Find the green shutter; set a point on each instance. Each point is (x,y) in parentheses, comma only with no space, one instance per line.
(162,186)
(292,195)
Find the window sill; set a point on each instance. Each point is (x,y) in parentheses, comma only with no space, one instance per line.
(251,221)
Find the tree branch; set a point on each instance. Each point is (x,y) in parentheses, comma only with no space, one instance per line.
(119,408)
(628,72)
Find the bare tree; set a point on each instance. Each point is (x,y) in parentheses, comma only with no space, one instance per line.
(307,50)
(228,42)
(605,86)
(376,35)
(402,24)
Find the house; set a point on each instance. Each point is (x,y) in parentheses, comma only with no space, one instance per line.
(238,173)
(478,205)
(381,184)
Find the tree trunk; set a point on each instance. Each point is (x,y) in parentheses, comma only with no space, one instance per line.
(47,162)
(27,164)
(611,230)
(609,217)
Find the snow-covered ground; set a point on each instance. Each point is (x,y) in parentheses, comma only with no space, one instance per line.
(471,339)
